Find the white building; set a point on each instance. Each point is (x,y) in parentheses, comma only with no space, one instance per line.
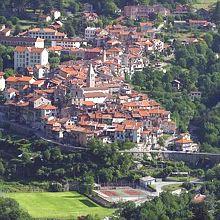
(146,181)
(22,41)
(90,33)
(158,45)
(41,71)
(55,14)
(90,92)
(90,80)
(69,42)
(29,56)
(2,81)
(46,33)
(10,93)
(96,97)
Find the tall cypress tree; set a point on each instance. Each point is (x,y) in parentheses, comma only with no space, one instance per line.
(216,13)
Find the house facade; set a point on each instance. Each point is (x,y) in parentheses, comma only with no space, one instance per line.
(29,56)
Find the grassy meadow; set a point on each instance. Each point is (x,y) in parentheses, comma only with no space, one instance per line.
(58,205)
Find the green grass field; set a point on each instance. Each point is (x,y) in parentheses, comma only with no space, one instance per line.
(60,205)
(25,24)
(204,3)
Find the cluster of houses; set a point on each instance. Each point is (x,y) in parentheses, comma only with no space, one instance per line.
(87,97)
(79,102)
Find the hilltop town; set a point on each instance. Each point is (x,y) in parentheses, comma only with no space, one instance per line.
(89,96)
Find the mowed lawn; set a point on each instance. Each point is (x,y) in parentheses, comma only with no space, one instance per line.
(61,205)
(204,3)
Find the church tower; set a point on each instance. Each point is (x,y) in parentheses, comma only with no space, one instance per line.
(104,56)
(90,80)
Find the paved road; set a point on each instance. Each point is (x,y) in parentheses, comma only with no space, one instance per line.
(41,136)
(168,152)
(160,185)
(71,147)
(60,144)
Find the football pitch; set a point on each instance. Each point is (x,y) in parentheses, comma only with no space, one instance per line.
(59,205)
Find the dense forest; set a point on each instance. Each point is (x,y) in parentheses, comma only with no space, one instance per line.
(36,160)
(169,206)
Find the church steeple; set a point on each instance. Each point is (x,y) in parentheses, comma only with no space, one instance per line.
(104,55)
(90,81)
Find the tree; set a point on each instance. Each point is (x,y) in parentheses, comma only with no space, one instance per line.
(3,20)
(88,183)
(56,187)
(8,72)
(161,142)
(17,29)
(1,64)
(128,211)
(216,13)
(204,210)
(14,20)
(6,53)
(216,43)
(10,210)
(166,206)
(54,60)
(56,154)
(74,7)
(68,57)
(58,173)
(47,154)
(208,39)
(2,169)
(109,8)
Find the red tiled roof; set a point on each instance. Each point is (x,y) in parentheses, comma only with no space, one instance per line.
(88,103)
(94,94)
(47,107)
(19,79)
(21,49)
(183,141)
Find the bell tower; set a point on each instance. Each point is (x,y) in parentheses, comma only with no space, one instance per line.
(90,80)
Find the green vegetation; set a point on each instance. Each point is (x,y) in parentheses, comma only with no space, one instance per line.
(36,160)
(59,205)
(209,129)
(26,24)
(181,178)
(7,187)
(6,57)
(216,13)
(172,187)
(206,4)
(168,206)
(197,68)
(10,209)
(160,208)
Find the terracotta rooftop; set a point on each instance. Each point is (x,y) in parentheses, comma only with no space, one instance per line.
(21,49)
(94,94)
(47,107)
(19,79)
